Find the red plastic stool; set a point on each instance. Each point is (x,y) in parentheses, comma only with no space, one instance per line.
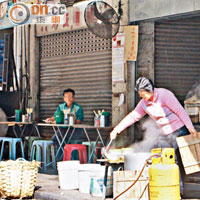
(81,152)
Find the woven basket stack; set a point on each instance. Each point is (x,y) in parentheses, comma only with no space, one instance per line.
(18,178)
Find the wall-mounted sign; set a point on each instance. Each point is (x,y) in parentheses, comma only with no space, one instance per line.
(118,43)
(131,42)
(73,19)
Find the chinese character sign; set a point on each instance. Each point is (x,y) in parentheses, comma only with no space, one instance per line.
(71,20)
(131,42)
(118,58)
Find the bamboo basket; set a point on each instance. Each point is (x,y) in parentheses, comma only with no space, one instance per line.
(18,178)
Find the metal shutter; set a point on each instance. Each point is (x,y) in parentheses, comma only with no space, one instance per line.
(77,60)
(177,55)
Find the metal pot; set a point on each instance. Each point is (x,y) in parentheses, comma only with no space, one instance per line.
(111,154)
(135,161)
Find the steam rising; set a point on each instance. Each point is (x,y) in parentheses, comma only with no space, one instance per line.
(153,137)
(195,91)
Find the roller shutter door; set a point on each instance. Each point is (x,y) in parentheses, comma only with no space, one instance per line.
(177,55)
(77,60)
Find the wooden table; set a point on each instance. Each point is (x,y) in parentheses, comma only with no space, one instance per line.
(85,127)
(22,127)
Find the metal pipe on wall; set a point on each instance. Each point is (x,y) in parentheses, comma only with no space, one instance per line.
(15,50)
(25,68)
(18,52)
(19,58)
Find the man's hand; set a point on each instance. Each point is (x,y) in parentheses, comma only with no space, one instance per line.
(113,134)
(49,120)
(194,132)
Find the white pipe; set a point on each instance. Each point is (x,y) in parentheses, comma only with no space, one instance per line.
(19,53)
(15,52)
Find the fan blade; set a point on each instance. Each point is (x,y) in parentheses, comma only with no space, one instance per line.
(97,13)
(108,17)
(108,14)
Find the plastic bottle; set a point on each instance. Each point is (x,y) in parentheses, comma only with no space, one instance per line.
(71,119)
(66,119)
(102,121)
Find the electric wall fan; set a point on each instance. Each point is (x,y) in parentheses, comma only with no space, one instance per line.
(101,19)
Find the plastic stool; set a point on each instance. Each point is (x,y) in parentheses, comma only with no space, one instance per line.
(3,140)
(42,145)
(91,147)
(75,155)
(69,148)
(14,147)
(28,142)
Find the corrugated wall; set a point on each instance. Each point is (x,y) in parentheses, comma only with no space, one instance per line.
(177,55)
(77,60)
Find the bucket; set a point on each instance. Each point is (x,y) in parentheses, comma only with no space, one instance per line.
(85,172)
(59,117)
(68,174)
(135,161)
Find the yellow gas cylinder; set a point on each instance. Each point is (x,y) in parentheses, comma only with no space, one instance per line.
(164,176)
(156,159)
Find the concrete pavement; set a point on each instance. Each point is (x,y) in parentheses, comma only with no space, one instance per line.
(50,190)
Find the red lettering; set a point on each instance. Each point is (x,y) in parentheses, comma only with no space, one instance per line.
(54,26)
(66,24)
(76,17)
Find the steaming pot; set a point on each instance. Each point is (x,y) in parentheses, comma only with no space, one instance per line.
(135,161)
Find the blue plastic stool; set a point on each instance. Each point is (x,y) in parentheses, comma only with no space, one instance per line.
(3,140)
(42,145)
(14,147)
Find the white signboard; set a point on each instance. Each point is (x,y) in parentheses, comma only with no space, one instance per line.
(118,43)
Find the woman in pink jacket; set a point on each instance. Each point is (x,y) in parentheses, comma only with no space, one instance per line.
(164,108)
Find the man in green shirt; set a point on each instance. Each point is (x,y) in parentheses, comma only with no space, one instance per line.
(69,103)
(73,108)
